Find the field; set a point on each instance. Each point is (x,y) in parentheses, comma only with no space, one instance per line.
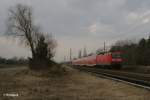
(73,85)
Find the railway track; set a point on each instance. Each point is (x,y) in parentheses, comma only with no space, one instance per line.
(136,79)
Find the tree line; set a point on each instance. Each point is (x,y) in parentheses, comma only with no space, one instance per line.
(134,53)
(13,61)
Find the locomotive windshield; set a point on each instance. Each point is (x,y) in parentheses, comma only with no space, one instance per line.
(116,55)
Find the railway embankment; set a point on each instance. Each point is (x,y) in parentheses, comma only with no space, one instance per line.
(136,69)
(74,85)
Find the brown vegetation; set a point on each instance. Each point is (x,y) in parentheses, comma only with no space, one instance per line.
(72,85)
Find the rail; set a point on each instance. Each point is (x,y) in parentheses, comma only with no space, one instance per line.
(137,79)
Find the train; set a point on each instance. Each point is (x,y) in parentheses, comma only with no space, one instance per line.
(106,60)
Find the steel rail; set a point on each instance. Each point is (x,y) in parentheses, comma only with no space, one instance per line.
(144,83)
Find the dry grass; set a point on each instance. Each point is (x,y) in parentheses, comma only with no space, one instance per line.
(73,85)
(137,69)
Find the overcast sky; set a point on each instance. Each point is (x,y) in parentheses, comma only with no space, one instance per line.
(79,23)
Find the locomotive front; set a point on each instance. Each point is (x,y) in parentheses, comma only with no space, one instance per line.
(116,59)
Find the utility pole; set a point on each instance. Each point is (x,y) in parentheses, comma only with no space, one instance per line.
(64,58)
(70,54)
(104,47)
(80,54)
(84,52)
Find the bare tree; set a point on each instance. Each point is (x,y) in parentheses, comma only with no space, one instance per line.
(20,24)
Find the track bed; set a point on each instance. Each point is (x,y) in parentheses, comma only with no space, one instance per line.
(142,80)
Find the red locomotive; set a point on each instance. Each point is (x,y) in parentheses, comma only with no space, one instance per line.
(106,60)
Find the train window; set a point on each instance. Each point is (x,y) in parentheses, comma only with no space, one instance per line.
(100,53)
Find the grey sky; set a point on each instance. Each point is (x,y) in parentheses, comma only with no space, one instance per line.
(79,23)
